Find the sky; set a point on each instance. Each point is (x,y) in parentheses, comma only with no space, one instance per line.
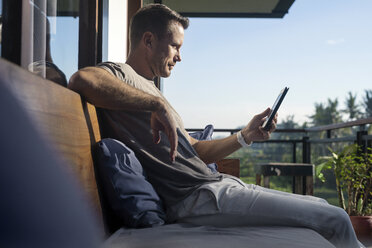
(65,51)
(234,68)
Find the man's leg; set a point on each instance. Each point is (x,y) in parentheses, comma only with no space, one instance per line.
(303,197)
(234,204)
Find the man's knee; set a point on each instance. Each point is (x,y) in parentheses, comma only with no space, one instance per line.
(342,220)
(343,215)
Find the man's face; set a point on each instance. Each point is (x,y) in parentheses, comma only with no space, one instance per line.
(167,51)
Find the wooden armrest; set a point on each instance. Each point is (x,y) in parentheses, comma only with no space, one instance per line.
(229,166)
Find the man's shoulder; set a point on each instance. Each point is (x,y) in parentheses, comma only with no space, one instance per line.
(126,73)
(112,66)
(116,68)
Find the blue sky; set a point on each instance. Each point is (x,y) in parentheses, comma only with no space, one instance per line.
(65,50)
(232,69)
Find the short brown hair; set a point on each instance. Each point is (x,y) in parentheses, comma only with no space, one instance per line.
(154,18)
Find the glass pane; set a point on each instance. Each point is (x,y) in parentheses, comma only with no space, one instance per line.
(50,38)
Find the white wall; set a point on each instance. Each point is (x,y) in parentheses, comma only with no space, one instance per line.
(117,30)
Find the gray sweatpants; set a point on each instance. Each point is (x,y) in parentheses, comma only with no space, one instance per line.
(231,202)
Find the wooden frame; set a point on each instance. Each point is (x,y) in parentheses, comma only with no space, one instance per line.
(12,31)
(88,33)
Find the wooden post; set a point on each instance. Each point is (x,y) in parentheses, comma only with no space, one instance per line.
(294,153)
(266,181)
(309,185)
(133,7)
(298,183)
(258,179)
(12,31)
(88,33)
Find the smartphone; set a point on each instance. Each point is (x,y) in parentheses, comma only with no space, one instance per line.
(267,124)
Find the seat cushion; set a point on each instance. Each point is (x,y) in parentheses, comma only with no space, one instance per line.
(183,235)
(125,187)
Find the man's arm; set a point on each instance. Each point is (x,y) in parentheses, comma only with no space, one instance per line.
(104,90)
(213,150)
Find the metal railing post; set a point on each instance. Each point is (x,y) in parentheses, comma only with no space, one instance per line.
(294,152)
(360,142)
(306,149)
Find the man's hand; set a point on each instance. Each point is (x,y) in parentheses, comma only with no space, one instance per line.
(161,120)
(254,130)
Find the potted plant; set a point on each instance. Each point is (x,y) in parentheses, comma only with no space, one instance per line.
(353,173)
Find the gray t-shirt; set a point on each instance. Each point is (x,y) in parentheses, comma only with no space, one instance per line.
(172,181)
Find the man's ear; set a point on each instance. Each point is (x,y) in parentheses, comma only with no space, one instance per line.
(148,39)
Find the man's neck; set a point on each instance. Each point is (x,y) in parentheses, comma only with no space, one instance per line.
(140,66)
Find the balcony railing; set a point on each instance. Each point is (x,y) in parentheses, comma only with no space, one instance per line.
(360,136)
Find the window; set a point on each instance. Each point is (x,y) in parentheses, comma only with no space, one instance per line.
(50,34)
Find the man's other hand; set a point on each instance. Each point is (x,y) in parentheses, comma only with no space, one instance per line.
(254,130)
(161,120)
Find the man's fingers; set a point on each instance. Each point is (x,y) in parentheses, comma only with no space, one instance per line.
(264,113)
(173,140)
(275,120)
(265,134)
(274,123)
(272,127)
(155,130)
(156,136)
(161,121)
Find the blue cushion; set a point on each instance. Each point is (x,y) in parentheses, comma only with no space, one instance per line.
(129,194)
(206,134)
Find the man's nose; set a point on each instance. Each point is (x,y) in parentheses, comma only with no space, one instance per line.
(178,57)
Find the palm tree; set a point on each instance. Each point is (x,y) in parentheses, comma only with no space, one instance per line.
(367,103)
(326,114)
(352,108)
(288,122)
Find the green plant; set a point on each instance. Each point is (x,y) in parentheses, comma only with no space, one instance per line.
(353,172)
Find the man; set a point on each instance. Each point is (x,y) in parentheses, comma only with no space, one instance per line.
(135,112)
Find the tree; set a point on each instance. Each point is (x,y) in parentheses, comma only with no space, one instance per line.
(367,103)
(352,108)
(288,122)
(326,114)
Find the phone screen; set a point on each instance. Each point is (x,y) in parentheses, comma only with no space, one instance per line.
(267,124)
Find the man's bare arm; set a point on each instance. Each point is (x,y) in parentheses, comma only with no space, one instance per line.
(213,150)
(104,90)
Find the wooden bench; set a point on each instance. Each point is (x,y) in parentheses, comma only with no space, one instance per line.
(71,127)
(303,175)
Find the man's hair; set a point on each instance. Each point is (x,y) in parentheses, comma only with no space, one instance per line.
(154,18)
